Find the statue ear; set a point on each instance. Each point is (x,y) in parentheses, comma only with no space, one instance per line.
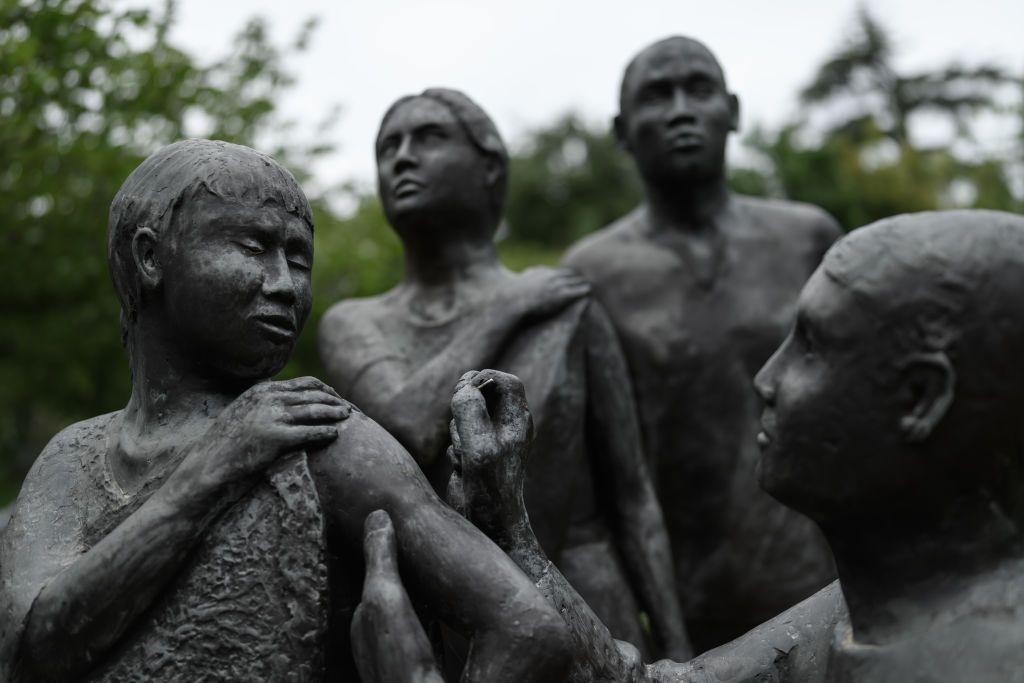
(145,252)
(734,112)
(927,387)
(619,126)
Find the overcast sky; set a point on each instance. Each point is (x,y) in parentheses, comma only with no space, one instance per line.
(528,61)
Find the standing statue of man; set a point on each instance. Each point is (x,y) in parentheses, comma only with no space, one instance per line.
(892,419)
(700,284)
(442,171)
(211,529)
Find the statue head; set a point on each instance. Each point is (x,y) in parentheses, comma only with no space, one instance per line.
(440,159)
(676,113)
(900,389)
(210,247)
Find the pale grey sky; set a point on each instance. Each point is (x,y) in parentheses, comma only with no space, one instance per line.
(528,61)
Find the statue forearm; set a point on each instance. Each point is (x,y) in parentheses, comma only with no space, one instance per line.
(647,556)
(637,518)
(597,656)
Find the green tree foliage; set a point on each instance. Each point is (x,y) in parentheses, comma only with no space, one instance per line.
(566,180)
(86,92)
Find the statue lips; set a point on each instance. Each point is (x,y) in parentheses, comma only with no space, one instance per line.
(764,437)
(406,186)
(279,326)
(685,140)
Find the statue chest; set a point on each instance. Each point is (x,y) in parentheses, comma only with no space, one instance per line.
(675,327)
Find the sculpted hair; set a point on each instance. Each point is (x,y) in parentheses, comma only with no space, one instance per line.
(153,192)
(477,125)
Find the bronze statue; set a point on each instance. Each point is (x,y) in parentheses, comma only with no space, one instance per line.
(442,171)
(700,284)
(211,529)
(892,419)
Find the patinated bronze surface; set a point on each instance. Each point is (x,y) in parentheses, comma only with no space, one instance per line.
(442,171)
(700,284)
(891,418)
(211,530)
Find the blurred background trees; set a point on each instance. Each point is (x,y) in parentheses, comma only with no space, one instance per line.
(88,90)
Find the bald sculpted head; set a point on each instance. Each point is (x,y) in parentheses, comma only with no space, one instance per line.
(903,372)
(676,113)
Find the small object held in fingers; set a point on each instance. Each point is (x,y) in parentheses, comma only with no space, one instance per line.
(484,383)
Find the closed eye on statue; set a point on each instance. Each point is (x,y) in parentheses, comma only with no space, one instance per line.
(300,261)
(250,245)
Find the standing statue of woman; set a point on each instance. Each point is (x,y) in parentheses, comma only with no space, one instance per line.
(442,171)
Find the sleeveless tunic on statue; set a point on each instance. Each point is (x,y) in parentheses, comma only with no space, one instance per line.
(250,601)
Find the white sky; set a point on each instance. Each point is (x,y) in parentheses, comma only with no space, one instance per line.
(528,61)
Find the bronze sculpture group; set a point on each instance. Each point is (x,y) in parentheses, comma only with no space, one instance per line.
(593,501)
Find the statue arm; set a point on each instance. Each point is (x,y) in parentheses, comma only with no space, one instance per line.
(638,524)
(79,602)
(490,440)
(410,403)
(445,561)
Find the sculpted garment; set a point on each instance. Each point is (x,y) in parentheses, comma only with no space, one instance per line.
(248,604)
(693,346)
(561,492)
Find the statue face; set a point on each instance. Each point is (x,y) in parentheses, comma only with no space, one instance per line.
(677,114)
(426,162)
(830,418)
(237,285)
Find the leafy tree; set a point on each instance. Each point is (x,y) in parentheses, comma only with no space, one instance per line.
(864,163)
(861,78)
(565,180)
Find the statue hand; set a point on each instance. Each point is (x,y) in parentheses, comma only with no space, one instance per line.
(266,421)
(540,292)
(491,433)
(387,639)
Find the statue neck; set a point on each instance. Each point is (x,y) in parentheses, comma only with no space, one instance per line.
(171,395)
(687,207)
(899,575)
(448,258)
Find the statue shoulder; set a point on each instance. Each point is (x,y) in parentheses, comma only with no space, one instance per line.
(793,646)
(70,451)
(602,245)
(809,220)
(367,469)
(358,312)
(350,338)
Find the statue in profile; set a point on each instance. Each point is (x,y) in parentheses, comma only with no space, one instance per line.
(211,530)
(700,283)
(892,419)
(442,170)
